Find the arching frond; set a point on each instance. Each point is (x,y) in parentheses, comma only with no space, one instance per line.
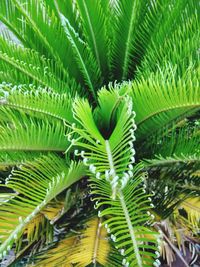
(192,207)
(37,183)
(22,132)
(34,24)
(169,33)
(27,66)
(127,17)
(14,158)
(92,246)
(177,146)
(126,216)
(39,101)
(176,98)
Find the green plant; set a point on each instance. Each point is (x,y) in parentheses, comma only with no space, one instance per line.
(99,115)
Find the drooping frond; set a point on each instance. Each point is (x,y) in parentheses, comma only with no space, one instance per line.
(22,132)
(177,97)
(117,176)
(27,66)
(192,207)
(91,246)
(37,183)
(14,158)
(39,101)
(178,146)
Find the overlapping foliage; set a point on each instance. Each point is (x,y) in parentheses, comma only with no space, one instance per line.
(107,91)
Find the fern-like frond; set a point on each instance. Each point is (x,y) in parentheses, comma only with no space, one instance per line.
(37,101)
(34,19)
(176,98)
(110,162)
(82,53)
(27,66)
(126,216)
(91,246)
(93,18)
(192,207)
(11,159)
(37,183)
(169,33)
(127,17)
(175,147)
(22,132)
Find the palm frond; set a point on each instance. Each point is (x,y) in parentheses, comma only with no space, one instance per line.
(177,97)
(126,18)
(85,60)
(11,159)
(38,100)
(22,132)
(93,18)
(169,33)
(116,174)
(192,207)
(37,183)
(125,218)
(91,246)
(176,147)
(35,21)
(27,66)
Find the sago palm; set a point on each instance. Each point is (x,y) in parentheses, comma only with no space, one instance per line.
(99,132)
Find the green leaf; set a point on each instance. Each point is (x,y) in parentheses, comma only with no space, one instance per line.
(162,98)
(127,17)
(85,60)
(37,183)
(22,132)
(110,162)
(178,146)
(125,219)
(27,66)
(93,18)
(37,101)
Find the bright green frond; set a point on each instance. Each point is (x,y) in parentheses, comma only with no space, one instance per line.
(10,159)
(37,182)
(169,33)
(82,53)
(161,99)
(37,101)
(22,132)
(27,66)
(93,18)
(126,216)
(177,146)
(33,20)
(127,16)
(110,162)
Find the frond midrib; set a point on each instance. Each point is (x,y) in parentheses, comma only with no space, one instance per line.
(130,227)
(164,162)
(33,77)
(15,106)
(189,106)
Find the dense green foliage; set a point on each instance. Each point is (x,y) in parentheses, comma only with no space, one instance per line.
(99,132)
